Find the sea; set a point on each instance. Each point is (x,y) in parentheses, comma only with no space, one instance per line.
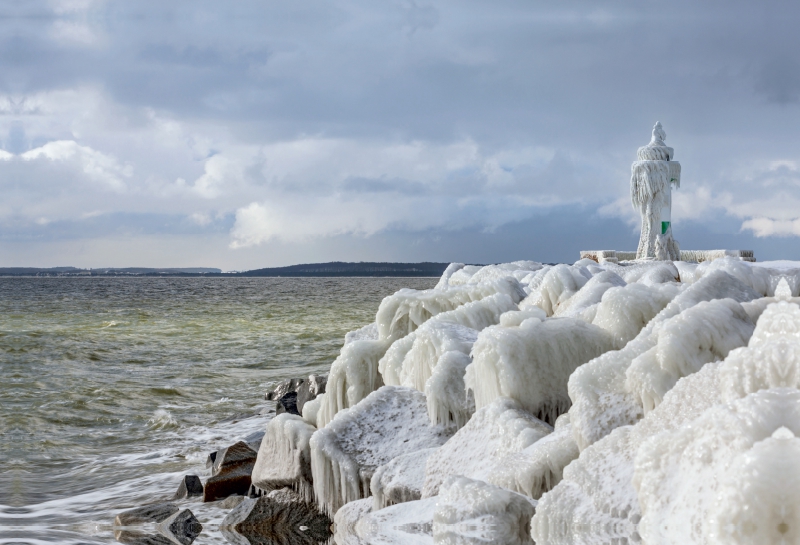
(113,389)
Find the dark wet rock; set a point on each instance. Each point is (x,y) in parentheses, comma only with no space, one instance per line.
(310,389)
(233,456)
(255,492)
(129,537)
(190,486)
(157,512)
(230,472)
(230,502)
(283,388)
(212,457)
(254,440)
(287,404)
(279,518)
(182,527)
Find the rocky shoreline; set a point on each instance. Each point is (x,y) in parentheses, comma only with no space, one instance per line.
(521,402)
(275,515)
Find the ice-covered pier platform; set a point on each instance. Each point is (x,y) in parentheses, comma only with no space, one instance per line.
(693,256)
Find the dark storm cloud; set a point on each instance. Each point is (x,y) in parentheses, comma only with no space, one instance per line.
(429,115)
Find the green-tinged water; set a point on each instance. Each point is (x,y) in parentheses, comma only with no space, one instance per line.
(113,389)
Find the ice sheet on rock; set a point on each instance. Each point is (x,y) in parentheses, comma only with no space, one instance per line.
(431,341)
(449,403)
(492,433)
(411,360)
(597,389)
(772,358)
(311,408)
(558,284)
(537,468)
(624,312)
(444,281)
(284,457)
(699,335)
(406,310)
(346,519)
(758,278)
(345,454)
(590,294)
(472,274)
(401,480)
(730,477)
(645,272)
(367,333)
(353,376)
(514,318)
(532,363)
(471,511)
(596,502)
(409,523)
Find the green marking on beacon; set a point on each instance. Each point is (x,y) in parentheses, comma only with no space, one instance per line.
(664,227)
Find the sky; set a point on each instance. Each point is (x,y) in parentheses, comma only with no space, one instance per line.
(262,133)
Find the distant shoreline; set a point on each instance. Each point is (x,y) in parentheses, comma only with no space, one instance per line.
(335,269)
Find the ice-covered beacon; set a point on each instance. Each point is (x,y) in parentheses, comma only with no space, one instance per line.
(652,178)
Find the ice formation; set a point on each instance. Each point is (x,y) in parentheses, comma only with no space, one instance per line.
(284,457)
(345,454)
(538,468)
(475,512)
(652,178)
(400,480)
(492,433)
(674,388)
(531,363)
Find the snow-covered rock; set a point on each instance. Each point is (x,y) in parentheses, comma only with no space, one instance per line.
(284,457)
(400,480)
(493,433)
(532,363)
(346,453)
(471,512)
(600,398)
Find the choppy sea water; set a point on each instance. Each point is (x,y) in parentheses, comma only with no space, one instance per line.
(111,389)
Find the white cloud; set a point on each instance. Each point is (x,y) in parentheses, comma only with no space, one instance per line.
(765,227)
(96,165)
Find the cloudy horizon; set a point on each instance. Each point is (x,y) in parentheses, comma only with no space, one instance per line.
(258,134)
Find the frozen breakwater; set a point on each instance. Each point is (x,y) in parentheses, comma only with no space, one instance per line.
(643,401)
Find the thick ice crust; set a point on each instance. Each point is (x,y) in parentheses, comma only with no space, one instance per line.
(470,511)
(284,457)
(493,433)
(345,454)
(532,363)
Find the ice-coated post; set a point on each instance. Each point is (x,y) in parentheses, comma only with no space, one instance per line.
(652,178)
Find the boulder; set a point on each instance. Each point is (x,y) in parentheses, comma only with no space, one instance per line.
(284,459)
(230,472)
(230,502)
(281,517)
(287,404)
(182,527)
(190,486)
(283,388)
(310,389)
(156,512)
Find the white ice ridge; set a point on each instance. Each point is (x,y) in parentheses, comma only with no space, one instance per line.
(474,512)
(406,310)
(354,374)
(696,483)
(493,433)
(531,363)
(601,399)
(284,457)
(676,354)
(345,454)
(401,480)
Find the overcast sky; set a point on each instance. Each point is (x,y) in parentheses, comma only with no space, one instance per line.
(253,133)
